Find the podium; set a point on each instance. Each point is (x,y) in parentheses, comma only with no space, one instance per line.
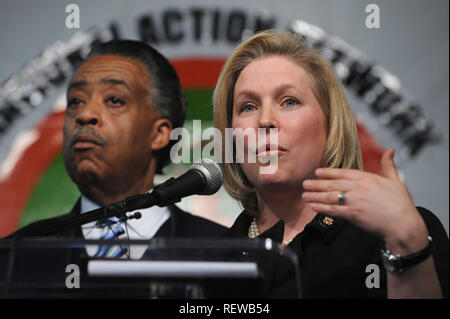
(51,267)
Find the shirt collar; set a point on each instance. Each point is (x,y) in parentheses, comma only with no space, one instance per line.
(87,205)
(326,226)
(151,216)
(240,225)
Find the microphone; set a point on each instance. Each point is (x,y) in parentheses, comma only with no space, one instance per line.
(204,177)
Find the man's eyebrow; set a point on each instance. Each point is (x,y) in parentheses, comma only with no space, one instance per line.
(115,82)
(76,85)
(82,83)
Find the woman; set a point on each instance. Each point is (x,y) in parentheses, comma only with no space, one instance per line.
(319,201)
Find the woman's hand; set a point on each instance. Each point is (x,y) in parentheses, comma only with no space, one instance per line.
(380,204)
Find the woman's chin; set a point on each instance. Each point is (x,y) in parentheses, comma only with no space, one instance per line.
(275,181)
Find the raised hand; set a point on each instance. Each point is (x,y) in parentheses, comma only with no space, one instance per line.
(380,204)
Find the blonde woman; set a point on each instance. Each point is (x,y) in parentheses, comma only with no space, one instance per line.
(343,222)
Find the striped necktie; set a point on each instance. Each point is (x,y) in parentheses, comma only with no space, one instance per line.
(112,230)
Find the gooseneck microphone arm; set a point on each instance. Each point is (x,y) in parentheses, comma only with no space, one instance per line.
(57,224)
(204,177)
(54,225)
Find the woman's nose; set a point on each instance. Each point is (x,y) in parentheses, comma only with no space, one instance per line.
(268,118)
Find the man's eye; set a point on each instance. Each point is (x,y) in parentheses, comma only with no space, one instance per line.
(115,100)
(73,102)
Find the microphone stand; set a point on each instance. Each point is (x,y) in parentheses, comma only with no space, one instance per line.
(57,224)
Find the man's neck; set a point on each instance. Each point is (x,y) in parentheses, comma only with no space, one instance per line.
(104,195)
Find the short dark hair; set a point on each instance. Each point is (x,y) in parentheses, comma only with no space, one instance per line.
(165,94)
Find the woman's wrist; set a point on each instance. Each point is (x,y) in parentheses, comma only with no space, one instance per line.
(408,241)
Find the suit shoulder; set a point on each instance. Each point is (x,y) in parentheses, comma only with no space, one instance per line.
(191,223)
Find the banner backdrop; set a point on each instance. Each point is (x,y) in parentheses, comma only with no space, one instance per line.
(394,68)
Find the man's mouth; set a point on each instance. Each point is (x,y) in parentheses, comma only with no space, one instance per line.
(85,141)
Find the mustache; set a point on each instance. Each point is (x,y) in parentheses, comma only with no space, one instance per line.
(101,140)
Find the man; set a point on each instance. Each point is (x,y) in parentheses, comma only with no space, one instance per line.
(122,104)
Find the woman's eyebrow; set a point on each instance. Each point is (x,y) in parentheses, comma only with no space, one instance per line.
(279,90)
(247,94)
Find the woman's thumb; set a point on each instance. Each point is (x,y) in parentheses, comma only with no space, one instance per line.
(388,168)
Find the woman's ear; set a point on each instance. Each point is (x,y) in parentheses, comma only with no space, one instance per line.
(162,128)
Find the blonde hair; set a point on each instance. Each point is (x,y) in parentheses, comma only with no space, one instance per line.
(342,148)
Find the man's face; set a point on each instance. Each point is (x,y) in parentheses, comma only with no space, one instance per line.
(108,123)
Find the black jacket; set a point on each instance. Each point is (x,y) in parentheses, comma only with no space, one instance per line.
(333,258)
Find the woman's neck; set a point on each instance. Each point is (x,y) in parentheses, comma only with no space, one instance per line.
(287,206)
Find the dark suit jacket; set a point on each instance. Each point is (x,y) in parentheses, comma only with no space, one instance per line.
(333,258)
(43,266)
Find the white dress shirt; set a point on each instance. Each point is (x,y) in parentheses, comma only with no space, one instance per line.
(143,228)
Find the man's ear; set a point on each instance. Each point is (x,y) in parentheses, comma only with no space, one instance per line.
(161,133)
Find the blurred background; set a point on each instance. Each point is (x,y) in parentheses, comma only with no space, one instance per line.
(392,57)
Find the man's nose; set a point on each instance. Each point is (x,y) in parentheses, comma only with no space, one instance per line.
(90,114)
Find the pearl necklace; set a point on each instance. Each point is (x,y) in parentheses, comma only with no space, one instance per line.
(253,232)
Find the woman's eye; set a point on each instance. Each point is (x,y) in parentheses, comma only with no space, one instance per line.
(290,102)
(248,108)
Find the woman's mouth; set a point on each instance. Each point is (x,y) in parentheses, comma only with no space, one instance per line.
(270,150)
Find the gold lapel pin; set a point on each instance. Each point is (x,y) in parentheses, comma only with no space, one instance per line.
(327,221)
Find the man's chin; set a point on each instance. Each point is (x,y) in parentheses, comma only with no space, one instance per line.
(85,175)
(86,178)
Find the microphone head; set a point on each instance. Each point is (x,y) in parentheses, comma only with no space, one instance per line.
(212,172)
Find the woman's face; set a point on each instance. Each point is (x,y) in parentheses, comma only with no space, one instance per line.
(275,92)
